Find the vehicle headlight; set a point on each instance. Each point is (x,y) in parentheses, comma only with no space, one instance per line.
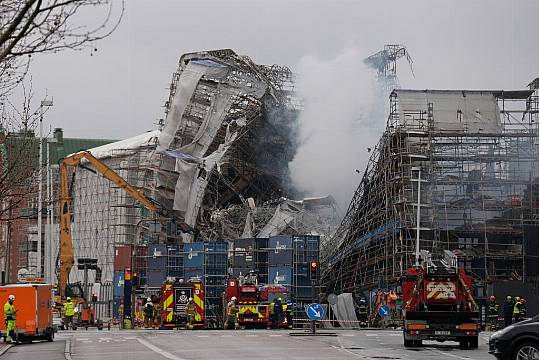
(499,333)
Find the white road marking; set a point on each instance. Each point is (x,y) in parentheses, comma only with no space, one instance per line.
(348,335)
(158,350)
(82,339)
(228,335)
(377,335)
(130,337)
(203,336)
(274,335)
(448,354)
(348,351)
(251,335)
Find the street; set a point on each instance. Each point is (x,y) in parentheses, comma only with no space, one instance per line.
(237,345)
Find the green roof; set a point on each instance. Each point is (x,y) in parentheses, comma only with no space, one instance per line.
(73,145)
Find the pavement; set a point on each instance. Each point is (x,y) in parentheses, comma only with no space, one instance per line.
(237,345)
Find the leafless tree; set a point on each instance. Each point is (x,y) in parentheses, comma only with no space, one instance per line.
(44,26)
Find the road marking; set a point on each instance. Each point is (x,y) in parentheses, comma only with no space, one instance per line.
(372,335)
(82,339)
(231,335)
(203,336)
(275,335)
(348,351)
(348,335)
(158,350)
(395,334)
(251,335)
(130,337)
(448,354)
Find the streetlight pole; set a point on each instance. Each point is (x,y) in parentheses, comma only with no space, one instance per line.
(40,188)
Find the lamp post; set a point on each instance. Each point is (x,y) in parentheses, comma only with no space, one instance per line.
(49,256)
(44,103)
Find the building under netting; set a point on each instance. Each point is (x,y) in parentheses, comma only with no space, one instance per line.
(475,156)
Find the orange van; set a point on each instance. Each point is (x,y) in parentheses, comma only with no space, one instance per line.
(33,303)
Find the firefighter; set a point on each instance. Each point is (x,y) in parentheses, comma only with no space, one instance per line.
(517,315)
(10,315)
(149,313)
(363,311)
(231,314)
(493,310)
(277,313)
(523,309)
(508,308)
(69,312)
(190,309)
(289,315)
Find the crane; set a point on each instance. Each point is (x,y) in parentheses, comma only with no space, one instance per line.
(66,256)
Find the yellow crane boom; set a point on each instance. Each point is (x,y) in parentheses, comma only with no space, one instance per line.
(66,256)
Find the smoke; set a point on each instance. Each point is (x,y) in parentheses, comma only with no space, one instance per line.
(342,118)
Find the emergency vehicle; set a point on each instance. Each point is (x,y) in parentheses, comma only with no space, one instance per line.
(175,294)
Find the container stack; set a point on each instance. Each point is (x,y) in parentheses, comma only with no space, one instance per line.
(122,261)
(175,261)
(281,256)
(250,255)
(157,265)
(306,249)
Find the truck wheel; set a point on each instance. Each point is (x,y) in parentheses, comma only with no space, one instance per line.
(409,343)
(49,336)
(418,343)
(463,344)
(473,343)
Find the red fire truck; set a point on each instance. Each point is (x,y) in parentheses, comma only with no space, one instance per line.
(175,296)
(438,303)
(253,300)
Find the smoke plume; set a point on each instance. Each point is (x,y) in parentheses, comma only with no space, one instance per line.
(342,118)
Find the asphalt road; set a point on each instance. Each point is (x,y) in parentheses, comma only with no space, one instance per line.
(238,345)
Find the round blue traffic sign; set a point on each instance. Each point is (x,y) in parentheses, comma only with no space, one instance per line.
(383,311)
(315,311)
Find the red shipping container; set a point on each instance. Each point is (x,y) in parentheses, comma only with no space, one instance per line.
(123,255)
(140,258)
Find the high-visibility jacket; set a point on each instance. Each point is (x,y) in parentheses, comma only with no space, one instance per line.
(272,308)
(9,311)
(69,308)
(362,309)
(523,310)
(231,309)
(493,309)
(516,309)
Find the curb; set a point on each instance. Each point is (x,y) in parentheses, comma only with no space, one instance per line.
(5,348)
(67,349)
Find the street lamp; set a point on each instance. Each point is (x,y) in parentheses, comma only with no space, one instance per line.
(44,103)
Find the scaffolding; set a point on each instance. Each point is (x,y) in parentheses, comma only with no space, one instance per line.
(475,154)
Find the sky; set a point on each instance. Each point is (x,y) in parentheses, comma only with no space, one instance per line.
(119,90)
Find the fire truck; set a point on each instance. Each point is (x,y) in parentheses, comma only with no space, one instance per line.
(175,294)
(253,300)
(438,303)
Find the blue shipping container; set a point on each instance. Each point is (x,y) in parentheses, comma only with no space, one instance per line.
(193,256)
(118,284)
(280,275)
(219,247)
(280,250)
(157,257)
(193,273)
(116,307)
(156,278)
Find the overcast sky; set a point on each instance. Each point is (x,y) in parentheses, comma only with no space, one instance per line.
(119,91)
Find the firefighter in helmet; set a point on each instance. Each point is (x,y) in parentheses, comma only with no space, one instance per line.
(508,306)
(231,314)
(493,312)
(69,312)
(363,312)
(517,315)
(190,309)
(149,313)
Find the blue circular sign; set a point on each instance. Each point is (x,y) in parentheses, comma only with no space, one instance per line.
(383,311)
(315,312)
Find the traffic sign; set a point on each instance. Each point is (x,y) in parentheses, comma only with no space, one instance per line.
(315,311)
(383,311)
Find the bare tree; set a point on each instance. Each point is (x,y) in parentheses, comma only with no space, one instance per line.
(44,26)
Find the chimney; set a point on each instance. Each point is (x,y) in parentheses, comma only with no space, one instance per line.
(59,136)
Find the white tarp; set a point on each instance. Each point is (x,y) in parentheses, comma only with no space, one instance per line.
(182,191)
(345,311)
(284,215)
(186,86)
(470,111)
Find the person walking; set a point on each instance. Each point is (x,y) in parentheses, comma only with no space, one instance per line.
(508,308)
(69,312)
(149,313)
(523,309)
(190,309)
(363,312)
(231,314)
(10,315)
(517,315)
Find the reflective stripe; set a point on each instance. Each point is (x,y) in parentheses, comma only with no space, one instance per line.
(199,302)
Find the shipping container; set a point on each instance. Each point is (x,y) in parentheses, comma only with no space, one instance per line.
(156,278)
(140,258)
(33,304)
(306,248)
(122,257)
(193,273)
(116,302)
(157,257)
(280,250)
(215,280)
(214,291)
(119,277)
(280,275)
(193,256)
(216,246)
(244,253)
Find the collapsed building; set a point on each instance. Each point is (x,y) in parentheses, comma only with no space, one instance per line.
(457,170)
(217,167)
